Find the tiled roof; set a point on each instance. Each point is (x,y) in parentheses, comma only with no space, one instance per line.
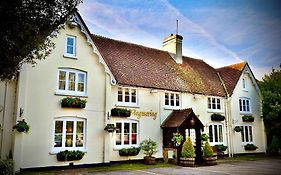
(178,117)
(231,74)
(136,65)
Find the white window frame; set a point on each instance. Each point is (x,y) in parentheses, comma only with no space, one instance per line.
(243,134)
(216,103)
(244,84)
(244,111)
(123,102)
(67,91)
(130,134)
(74,47)
(63,148)
(170,106)
(218,133)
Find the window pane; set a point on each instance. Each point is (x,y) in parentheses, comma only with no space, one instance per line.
(81,82)
(120,94)
(216,133)
(172,99)
(211,133)
(242,134)
(62,77)
(79,133)
(69,134)
(213,103)
(220,134)
(247,106)
(250,133)
(118,133)
(244,105)
(177,100)
(209,103)
(127,95)
(133,94)
(126,133)
(240,105)
(71,84)
(134,133)
(166,99)
(218,104)
(70,45)
(58,134)
(246,134)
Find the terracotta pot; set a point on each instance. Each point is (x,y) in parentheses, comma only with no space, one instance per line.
(209,161)
(187,161)
(149,160)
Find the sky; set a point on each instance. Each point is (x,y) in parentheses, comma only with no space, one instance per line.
(217,31)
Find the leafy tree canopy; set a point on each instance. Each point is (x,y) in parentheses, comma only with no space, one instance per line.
(271,90)
(27,27)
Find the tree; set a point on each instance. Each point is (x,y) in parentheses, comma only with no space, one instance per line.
(27,27)
(271,90)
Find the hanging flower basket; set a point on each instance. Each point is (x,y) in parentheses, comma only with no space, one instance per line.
(217,117)
(250,147)
(21,126)
(118,112)
(237,128)
(248,118)
(70,102)
(110,128)
(177,138)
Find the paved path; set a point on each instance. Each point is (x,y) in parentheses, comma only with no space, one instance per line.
(270,166)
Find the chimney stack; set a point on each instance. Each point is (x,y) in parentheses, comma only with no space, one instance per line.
(173,45)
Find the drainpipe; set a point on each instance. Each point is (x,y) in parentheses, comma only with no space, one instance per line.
(3,120)
(228,118)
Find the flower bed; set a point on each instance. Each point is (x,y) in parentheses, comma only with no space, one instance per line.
(217,117)
(118,112)
(70,102)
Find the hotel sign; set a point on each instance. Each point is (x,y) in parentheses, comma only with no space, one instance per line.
(140,114)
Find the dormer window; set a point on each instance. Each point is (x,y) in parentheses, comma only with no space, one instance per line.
(70,46)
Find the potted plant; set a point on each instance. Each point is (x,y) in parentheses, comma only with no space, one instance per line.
(110,128)
(208,158)
(119,112)
(21,126)
(70,102)
(250,147)
(220,150)
(248,118)
(177,138)
(187,153)
(70,155)
(217,117)
(133,151)
(149,147)
(237,128)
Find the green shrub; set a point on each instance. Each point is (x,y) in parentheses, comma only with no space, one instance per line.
(204,137)
(250,146)
(21,126)
(187,149)
(149,146)
(208,151)
(7,167)
(217,117)
(274,146)
(70,155)
(120,112)
(248,118)
(221,147)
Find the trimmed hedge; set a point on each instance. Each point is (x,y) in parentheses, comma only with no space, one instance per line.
(70,155)
(129,151)
(217,117)
(7,167)
(118,112)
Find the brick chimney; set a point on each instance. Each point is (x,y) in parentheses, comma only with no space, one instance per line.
(173,45)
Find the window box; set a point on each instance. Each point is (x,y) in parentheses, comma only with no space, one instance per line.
(70,102)
(250,147)
(238,129)
(248,118)
(217,117)
(110,128)
(133,151)
(70,155)
(118,112)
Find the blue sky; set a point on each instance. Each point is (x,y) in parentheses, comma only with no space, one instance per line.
(219,32)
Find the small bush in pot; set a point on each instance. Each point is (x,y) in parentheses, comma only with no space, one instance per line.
(220,150)
(21,126)
(149,147)
(187,153)
(209,159)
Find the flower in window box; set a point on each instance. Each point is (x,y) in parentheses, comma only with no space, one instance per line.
(217,117)
(21,126)
(118,112)
(248,118)
(110,128)
(70,155)
(237,128)
(71,102)
(133,151)
(250,147)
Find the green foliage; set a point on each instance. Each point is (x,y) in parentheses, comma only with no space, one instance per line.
(7,167)
(217,117)
(248,118)
(21,126)
(274,146)
(271,90)
(204,137)
(133,151)
(250,146)
(70,155)
(120,112)
(237,128)
(26,31)
(221,147)
(187,149)
(149,147)
(73,102)
(110,128)
(177,138)
(208,151)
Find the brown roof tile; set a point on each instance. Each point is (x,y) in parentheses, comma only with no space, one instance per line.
(136,65)
(231,74)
